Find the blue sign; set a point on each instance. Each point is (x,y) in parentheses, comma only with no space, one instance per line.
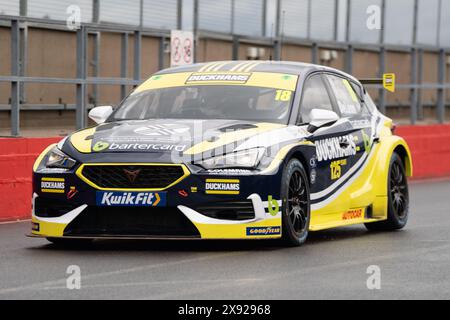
(131,199)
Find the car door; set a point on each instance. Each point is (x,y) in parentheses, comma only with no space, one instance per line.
(353,111)
(334,144)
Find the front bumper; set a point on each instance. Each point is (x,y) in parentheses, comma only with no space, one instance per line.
(68,205)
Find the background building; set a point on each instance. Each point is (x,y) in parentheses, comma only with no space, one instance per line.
(52,71)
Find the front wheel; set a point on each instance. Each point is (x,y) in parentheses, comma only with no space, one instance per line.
(398,198)
(296,207)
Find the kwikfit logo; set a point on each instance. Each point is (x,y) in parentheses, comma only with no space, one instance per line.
(130,199)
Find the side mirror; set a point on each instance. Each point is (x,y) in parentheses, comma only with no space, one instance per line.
(100,114)
(320,117)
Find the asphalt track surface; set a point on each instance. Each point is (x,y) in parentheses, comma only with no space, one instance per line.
(414,263)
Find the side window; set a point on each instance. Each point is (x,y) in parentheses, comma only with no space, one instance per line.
(347,99)
(315,96)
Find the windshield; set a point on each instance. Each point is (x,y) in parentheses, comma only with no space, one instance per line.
(234,102)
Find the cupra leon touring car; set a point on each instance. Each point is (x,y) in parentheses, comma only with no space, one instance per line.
(226,150)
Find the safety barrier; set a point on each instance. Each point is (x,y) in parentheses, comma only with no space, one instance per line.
(17,156)
(430,148)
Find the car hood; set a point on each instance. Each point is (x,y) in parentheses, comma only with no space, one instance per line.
(180,136)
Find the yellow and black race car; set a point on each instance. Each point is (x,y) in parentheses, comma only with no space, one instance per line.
(226,150)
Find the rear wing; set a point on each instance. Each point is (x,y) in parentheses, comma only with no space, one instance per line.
(388,81)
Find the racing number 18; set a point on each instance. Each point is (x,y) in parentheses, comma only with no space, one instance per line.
(283,95)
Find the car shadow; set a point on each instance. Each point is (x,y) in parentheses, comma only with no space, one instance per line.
(315,238)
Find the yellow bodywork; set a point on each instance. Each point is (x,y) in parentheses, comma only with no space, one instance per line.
(256,79)
(48,229)
(236,231)
(369,188)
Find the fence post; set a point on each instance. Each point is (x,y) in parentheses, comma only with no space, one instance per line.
(15,85)
(441,88)
(413,92)
(349,59)
(382,91)
(81,116)
(195,30)
(179,14)
(420,114)
(161,49)
(314,53)
(137,55)
(96,65)
(235,52)
(124,63)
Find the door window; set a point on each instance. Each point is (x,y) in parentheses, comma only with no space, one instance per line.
(347,99)
(315,96)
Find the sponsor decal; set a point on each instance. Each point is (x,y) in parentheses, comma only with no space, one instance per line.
(389,81)
(53,185)
(194,189)
(222,186)
(131,199)
(238,78)
(329,149)
(359,124)
(229,171)
(336,168)
(100,146)
(272,206)
(72,193)
(263,231)
(138,147)
(352,214)
(162,130)
(366,140)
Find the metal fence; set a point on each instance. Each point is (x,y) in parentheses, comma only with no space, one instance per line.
(273,23)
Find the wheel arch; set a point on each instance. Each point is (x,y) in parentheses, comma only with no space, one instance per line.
(404,153)
(385,149)
(299,154)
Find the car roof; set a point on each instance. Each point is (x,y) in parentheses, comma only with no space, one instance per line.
(289,67)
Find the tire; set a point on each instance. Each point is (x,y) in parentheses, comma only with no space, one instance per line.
(398,198)
(295,204)
(62,242)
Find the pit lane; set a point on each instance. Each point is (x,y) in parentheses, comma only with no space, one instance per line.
(414,263)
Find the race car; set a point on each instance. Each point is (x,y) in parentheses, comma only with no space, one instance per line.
(226,150)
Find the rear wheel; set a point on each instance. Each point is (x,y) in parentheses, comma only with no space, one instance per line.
(63,242)
(296,206)
(398,198)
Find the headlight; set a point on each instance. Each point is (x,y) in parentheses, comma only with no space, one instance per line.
(58,159)
(241,159)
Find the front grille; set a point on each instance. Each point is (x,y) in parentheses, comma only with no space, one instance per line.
(132,176)
(136,221)
(228,210)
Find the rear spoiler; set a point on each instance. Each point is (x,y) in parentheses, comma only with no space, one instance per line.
(388,81)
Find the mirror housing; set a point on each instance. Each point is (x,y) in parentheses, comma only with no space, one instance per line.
(320,118)
(100,114)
